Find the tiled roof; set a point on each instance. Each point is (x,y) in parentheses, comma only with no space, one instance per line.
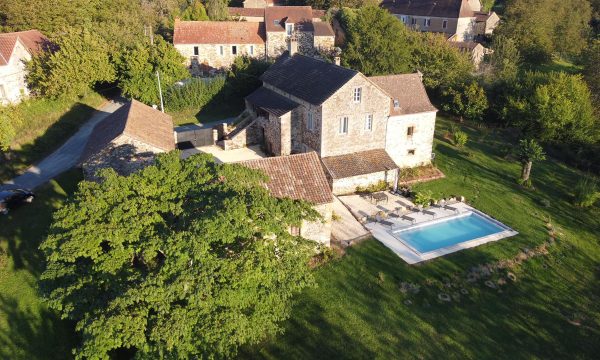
(218,32)
(482,16)
(277,16)
(250,12)
(323,29)
(317,14)
(409,92)
(271,101)
(33,40)
(309,79)
(359,163)
(299,177)
(435,8)
(137,121)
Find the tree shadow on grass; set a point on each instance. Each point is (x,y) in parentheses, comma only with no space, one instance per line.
(52,139)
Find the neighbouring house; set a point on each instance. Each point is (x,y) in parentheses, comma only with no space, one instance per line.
(462,18)
(261,33)
(16,48)
(372,126)
(127,140)
(475,50)
(300,177)
(256,4)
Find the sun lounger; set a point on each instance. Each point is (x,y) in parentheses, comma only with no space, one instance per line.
(453,208)
(393,215)
(409,218)
(429,212)
(386,223)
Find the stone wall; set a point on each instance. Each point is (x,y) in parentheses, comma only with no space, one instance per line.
(349,185)
(324,43)
(12,76)
(277,43)
(124,154)
(209,54)
(244,135)
(373,101)
(398,142)
(320,230)
(437,23)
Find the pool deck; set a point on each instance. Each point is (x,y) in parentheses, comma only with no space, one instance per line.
(385,218)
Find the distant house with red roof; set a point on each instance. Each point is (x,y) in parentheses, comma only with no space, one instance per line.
(256,32)
(15,49)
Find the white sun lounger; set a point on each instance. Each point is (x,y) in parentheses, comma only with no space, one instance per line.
(429,212)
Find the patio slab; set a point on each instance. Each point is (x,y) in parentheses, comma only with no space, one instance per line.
(221,156)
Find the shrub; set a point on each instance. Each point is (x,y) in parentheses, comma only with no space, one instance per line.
(379,186)
(586,192)
(194,94)
(460,138)
(423,198)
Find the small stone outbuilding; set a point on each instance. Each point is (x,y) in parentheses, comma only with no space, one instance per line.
(127,140)
(300,177)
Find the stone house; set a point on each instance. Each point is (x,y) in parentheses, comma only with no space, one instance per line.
(263,33)
(462,18)
(475,50)
(127,140)
(300,177)
(16,48)
(372,126)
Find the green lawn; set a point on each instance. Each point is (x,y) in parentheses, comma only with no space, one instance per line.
(28,330)
(358,311)
(45,126)
(212,112)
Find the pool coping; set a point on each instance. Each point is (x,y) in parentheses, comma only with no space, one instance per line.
(412,256)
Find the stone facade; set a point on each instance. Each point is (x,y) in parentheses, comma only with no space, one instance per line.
(13,87)
(410,150)
(124,154)
(218,55)
(324,43)
(349,185)
(244,135)
(320,230)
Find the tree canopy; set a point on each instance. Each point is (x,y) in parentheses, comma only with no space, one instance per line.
(217,9)
(9,117)
(195,12)
(185,258)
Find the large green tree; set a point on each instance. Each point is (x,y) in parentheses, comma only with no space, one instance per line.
(79,60)
(9,117)
(591,71)
(505,59)
(467,100)
(377,43)
(184,259)
(217,9)
(528,152)
(137,70)
(195,11)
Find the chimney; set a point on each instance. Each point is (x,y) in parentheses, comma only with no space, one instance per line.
(420,75)
(293,46)
(336,60)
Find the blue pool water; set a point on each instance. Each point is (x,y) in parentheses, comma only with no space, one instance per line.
(449,232)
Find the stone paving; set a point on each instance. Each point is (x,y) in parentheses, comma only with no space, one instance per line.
(227,156)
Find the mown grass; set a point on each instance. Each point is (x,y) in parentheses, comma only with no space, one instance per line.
(551,311)
(215,111)
(46,125)
(28,330)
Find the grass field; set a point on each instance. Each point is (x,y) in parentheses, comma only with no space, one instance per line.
(552,310)
(210,113)
(46,125)
(28,330)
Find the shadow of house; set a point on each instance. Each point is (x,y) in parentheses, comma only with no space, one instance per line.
(127,140)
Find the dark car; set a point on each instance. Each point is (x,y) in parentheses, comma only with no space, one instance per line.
(11,197)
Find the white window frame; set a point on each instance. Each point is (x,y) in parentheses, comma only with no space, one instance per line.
(344,125)
(310,121)
(357,95)
(426,22)
(369,122)
(251,49)
(289,29)
(221,50)
(445,24)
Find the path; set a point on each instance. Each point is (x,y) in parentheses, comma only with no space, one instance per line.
(66,156)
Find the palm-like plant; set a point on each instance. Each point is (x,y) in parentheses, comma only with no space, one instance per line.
(529,151)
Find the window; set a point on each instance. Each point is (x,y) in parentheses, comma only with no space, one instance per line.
(344,125)
(275,22)
(221,50)
(289,28)
(445,24)
(251,49)
(234,50)
(310,122)
(396,104)
(369,122)
(357,94)
(411,152)
(403,18)
(426,22)
(413,21)
(410,131)
(196,52)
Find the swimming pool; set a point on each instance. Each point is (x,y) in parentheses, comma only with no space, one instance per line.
(449,232)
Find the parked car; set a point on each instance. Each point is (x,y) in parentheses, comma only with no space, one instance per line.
(10,197)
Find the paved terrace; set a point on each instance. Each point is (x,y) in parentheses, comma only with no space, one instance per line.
(221,156)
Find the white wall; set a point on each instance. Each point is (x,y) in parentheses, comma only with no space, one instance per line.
(12,76)
(398,143)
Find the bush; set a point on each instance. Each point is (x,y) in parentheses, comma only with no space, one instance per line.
(194,94)
(424,198)
(586,192)
(460,138)
(380,186)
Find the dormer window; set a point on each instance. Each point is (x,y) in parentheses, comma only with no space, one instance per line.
(289,29)
(396,104)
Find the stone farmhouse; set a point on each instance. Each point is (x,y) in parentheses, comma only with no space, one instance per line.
(300,177)
(261,33)
(16,48)
(462,20)
(363,128)
(127,140)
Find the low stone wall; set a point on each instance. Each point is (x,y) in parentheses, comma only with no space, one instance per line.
(320,230)
(349,185)
(244,135)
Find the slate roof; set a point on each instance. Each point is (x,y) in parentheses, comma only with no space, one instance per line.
(408,89)
(218,32)
(299,177)
(359,163)
(309,79)
(434,8)
(323,29)
(277,16)
(137,121)
(271,101)
(33,40)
